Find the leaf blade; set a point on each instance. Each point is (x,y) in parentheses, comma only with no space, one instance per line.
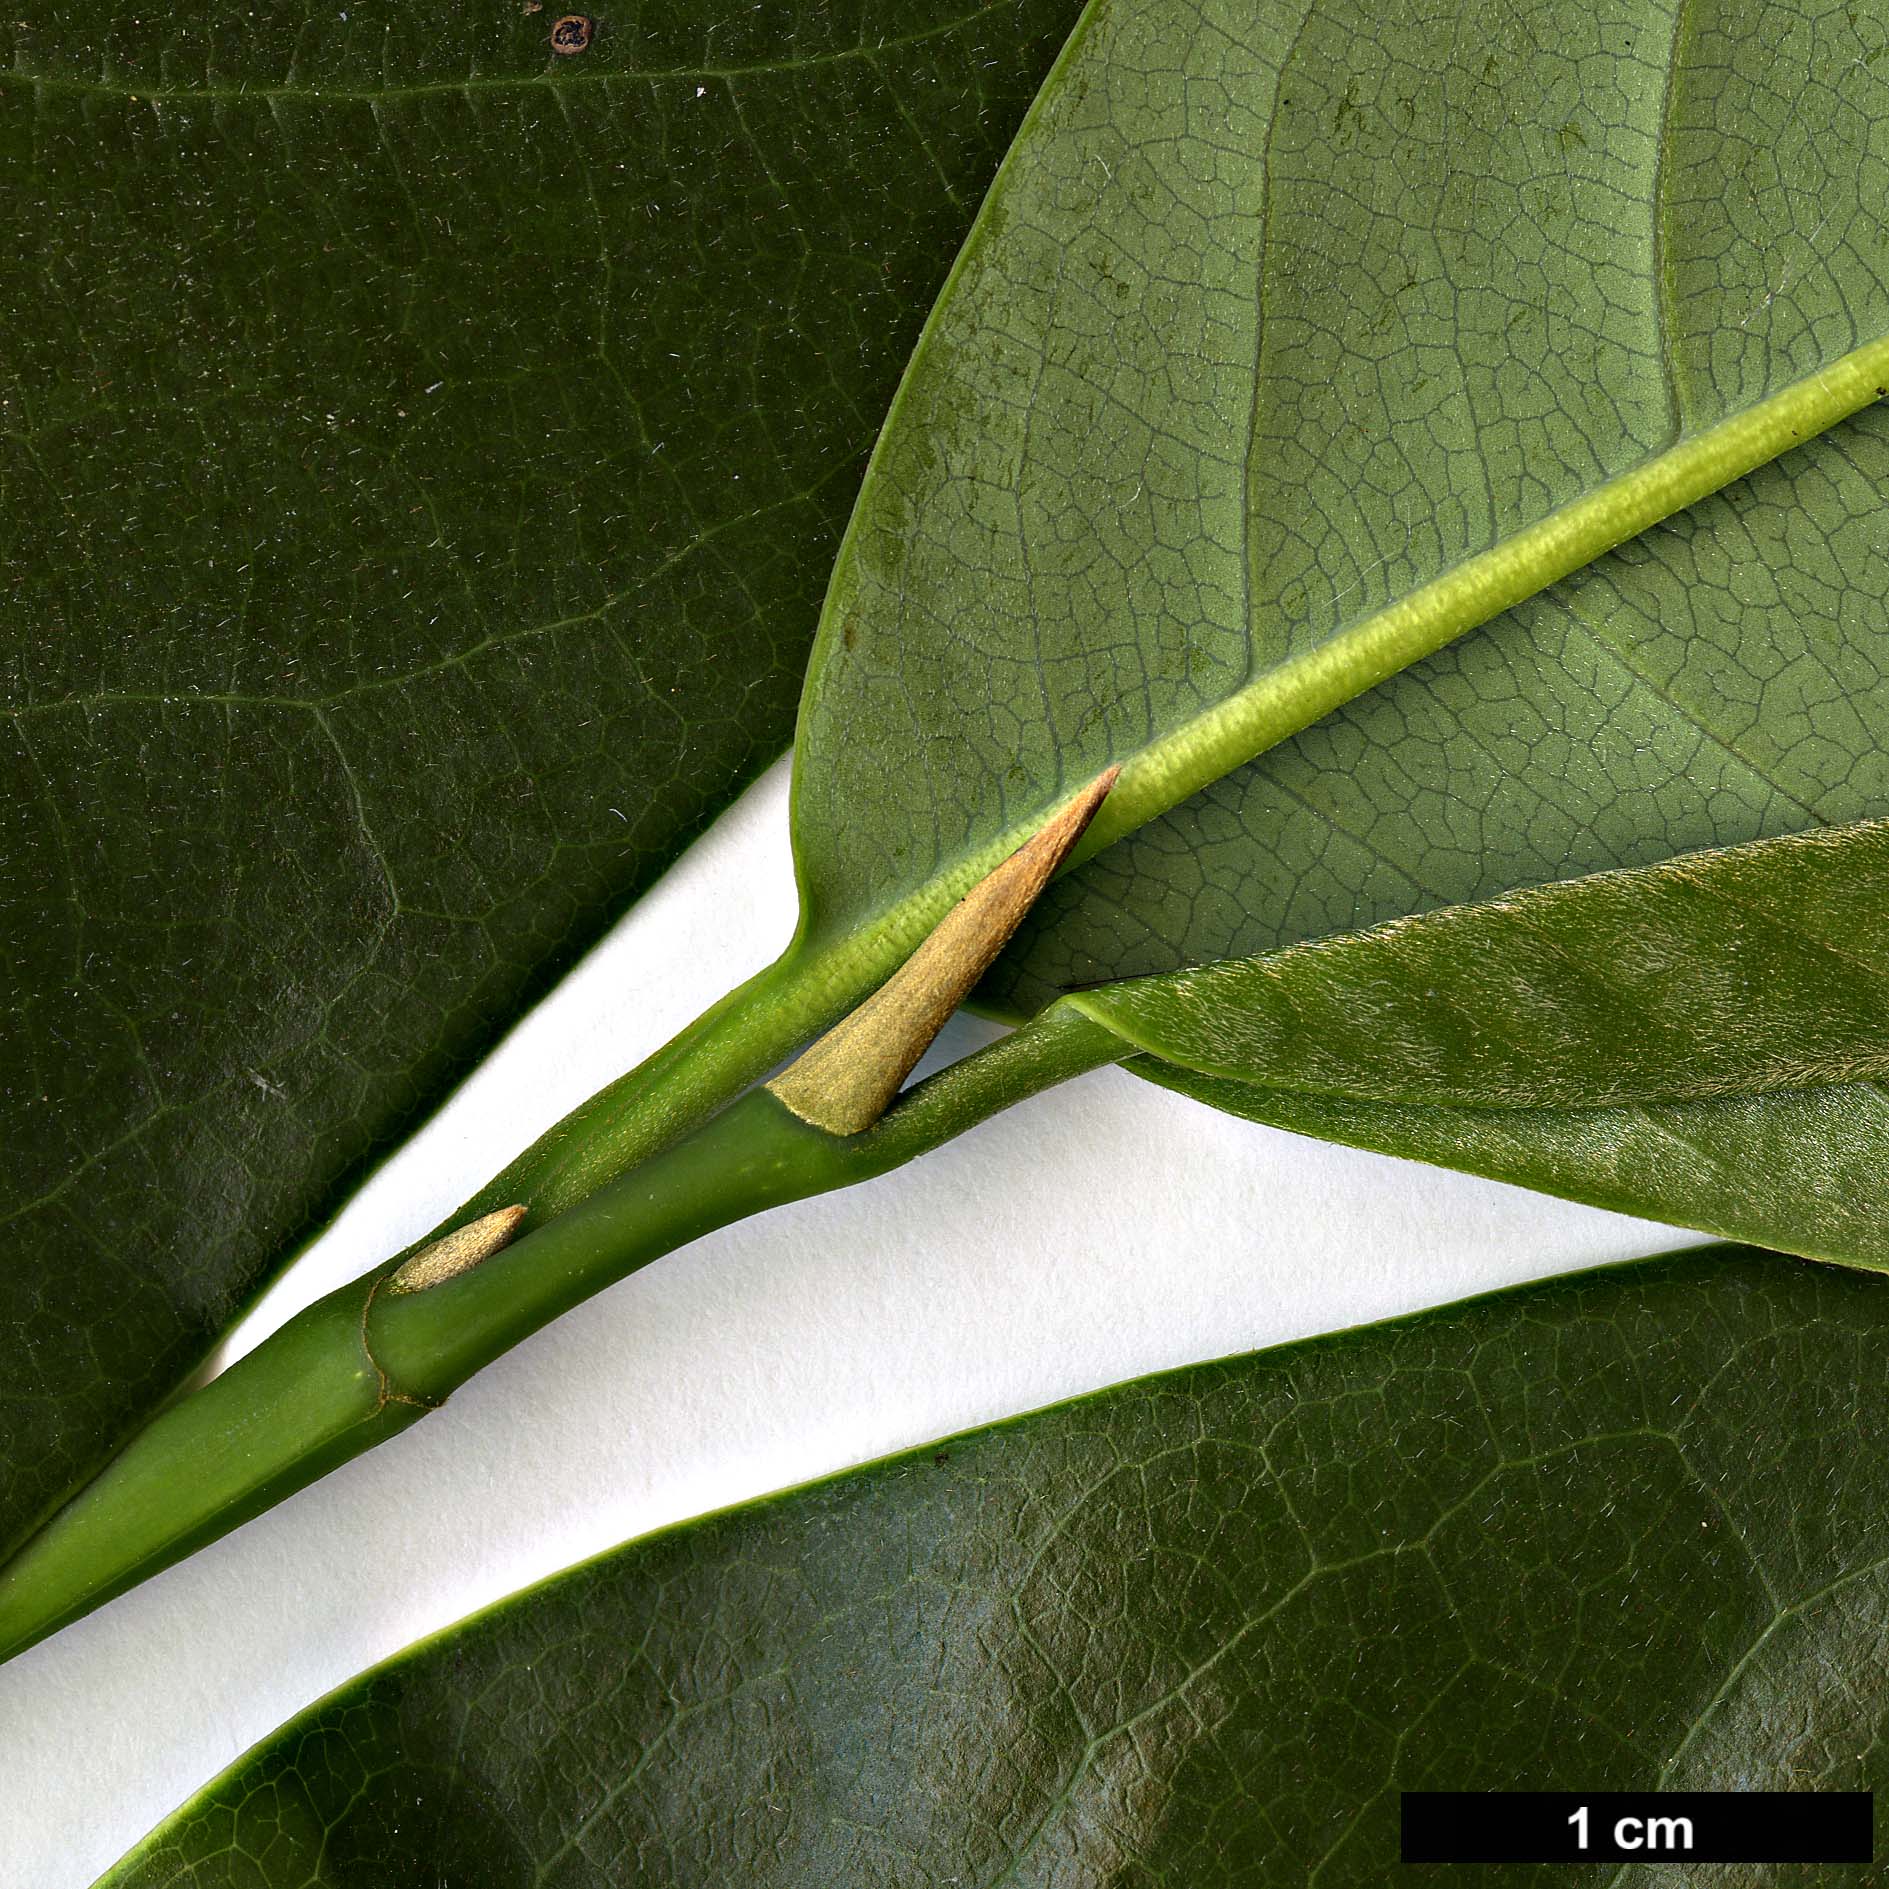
(1799,1169)
(393,606)
(1124,1632)
(1741,972)
(1021,600)
(1720,680)
(1701,1041)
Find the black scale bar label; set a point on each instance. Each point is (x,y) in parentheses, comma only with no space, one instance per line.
(1638,1826)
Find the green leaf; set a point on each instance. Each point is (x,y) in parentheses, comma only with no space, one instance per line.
(1616,1531)
(1244,397)
(1702,1041)
(1293,343)
(1068,552)
(1723,678)
(1736,973)
(423,459)
(1801,1169)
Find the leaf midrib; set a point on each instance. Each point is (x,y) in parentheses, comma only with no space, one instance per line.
(1305,687)
(849,955)
(836,956)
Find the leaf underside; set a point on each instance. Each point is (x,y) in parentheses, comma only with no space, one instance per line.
(1723,679)
(421,460)
(1803,1170)
(1209,401)
(1704,1040)
(1460,292)
(1618,1531)
(1279,319)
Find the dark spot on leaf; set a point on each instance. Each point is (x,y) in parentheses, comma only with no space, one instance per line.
(572,34)
(943,1457)
(850,635)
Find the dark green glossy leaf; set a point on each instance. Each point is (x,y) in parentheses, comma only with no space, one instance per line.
(422,460)
(1702,1041)
(1620,1530)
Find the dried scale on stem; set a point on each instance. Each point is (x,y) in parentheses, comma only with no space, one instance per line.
(376,1355)
(667,1153)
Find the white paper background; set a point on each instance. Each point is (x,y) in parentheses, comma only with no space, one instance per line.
(1101,1231)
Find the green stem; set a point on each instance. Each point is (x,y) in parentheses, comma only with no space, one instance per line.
(365,1362)
(668,1094)
(823,974)
(333,1399)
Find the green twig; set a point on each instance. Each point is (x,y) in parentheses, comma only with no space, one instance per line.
(365,1362)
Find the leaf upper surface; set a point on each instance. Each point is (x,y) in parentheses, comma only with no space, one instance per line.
(422,460)
(1625,1528)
